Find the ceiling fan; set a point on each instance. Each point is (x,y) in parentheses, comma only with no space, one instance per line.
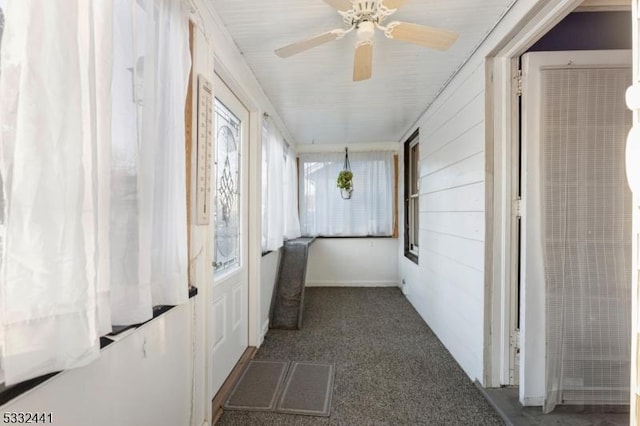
(365,16)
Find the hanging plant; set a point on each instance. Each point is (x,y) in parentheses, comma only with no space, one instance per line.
(345,178)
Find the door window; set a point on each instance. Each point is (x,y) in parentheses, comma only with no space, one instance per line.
(227,201)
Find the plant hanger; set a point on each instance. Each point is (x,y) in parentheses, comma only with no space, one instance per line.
(345,178)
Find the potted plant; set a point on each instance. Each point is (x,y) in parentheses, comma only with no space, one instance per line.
(345,183)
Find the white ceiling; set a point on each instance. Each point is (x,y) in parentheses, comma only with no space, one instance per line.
(313,91)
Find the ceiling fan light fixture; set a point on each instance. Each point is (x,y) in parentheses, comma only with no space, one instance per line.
(366,30)
(365,17)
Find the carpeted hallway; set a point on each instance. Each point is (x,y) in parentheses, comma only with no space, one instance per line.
(390,367)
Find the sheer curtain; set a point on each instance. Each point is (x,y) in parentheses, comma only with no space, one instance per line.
(279,190)
(273,225)
(91,153)
(49,134)
(290,184)
(369,212)
(2,197)
(586,210)
(148,224)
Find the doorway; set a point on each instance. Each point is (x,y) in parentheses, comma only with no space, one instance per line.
(503,193)
(229,331)
(575,254)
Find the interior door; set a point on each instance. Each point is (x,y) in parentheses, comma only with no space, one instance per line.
(574,213)
(229,304)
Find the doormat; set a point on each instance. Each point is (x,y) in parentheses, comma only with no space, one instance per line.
(285,387)
(307,389)
(258,387)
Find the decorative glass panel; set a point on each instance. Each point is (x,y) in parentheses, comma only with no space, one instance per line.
(227,203)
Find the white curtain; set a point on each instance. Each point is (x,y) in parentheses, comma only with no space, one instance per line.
(148,224)
(48,112)
(586,210)
(273,227)
(95,224)
(2,197)
(279,190)
(290,185)
(369,212)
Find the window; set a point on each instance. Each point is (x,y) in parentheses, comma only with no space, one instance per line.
(369,212)
(412,197)
(97,236)
(226,255)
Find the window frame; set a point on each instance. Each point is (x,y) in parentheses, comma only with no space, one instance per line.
(393,201)
(411,198)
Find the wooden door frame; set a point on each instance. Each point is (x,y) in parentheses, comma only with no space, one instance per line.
(501,159)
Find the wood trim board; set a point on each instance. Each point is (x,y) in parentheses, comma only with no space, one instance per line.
(228,384)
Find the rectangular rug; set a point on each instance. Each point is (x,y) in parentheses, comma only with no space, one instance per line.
(284,387)
(258,387)
(307,389)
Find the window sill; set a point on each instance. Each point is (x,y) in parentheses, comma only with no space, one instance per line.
(412,257)
(11,392)
(352,236)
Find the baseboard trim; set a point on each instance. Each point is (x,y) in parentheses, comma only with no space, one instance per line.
(533,401)
(228,384)
(492,402)
(352,284)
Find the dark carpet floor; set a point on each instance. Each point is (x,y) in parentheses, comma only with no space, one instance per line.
(390,367)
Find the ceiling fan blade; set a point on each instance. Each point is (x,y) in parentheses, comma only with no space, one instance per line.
(422,35)
(394,4)
(301,46)
(362,61)
(340,4)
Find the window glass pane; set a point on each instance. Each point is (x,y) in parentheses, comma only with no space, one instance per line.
(415,169)
(411,194)
(227,213)
(415,231)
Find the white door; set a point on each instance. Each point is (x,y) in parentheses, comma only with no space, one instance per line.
(229,303)
(572,264)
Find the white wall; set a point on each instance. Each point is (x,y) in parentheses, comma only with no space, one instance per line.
(448,286)
(353,262)
(143,379)
(268,275)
